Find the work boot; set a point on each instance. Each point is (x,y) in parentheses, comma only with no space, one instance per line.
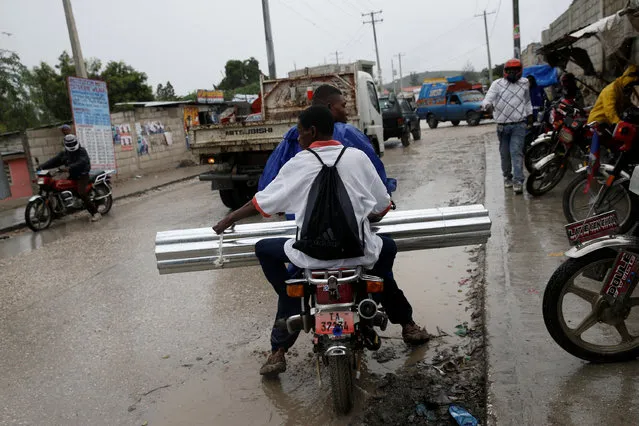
(414,334)
(275,364)
(508,183)
(518,188)
(96,217)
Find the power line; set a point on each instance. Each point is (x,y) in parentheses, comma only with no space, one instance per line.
(496,16)
(342,9)
(316,12)
(305,18)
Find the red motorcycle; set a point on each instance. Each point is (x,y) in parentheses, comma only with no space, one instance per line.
(59,197)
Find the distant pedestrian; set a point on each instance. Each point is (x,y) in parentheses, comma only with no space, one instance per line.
(538,97)
(509,97)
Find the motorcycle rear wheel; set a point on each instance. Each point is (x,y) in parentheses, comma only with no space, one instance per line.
(341,372)
(104,205)
(542,181)
(38,215)
(597,323)
(577,205)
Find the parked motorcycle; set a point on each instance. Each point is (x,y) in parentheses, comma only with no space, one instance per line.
(58,197)
(588,302)
(541,137)
(604,188)
(571,140)
(338,307)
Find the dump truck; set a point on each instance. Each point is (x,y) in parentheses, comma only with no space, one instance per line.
(238,150)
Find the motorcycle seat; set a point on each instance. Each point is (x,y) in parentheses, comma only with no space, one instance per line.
(94,174)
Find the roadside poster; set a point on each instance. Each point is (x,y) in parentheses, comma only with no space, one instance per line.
(210,96)
(191,117)
(122,136)
(92,120)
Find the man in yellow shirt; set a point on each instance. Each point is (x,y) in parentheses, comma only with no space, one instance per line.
(610,103)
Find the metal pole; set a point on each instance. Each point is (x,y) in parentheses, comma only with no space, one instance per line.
(373,21)
(516,30)
(337,53)
(401,75)
(490,64)
(78,60)
(393,76)
(268,35)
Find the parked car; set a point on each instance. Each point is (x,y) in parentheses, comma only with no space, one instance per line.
(453,107)
(400,119)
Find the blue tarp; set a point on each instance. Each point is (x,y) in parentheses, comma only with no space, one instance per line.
(544,74)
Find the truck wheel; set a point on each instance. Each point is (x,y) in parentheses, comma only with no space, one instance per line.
(472,118)
(455,123)
(432,122)
(238,196)
(417,133)
(405,138)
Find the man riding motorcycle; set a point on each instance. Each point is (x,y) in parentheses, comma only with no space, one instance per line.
(289,191)
(611,102)
(77,161)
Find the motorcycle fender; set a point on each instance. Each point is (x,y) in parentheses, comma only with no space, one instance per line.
(547,159)
(35,197)
(631,243)
(608,168)
(541,139)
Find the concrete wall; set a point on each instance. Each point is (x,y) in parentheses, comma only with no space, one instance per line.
(529,55)
(11,142)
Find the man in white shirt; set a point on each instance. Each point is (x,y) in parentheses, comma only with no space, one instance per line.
(509,97)
(289,191)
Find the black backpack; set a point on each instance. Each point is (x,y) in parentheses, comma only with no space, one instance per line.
(329,230)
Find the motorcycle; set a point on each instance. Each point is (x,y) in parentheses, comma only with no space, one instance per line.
(338,308)
(589,298)
(540,138)
(571,140)
(58,197)
(600,189)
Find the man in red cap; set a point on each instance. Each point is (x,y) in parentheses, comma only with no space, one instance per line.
(509,97)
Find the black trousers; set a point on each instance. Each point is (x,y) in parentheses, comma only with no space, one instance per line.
(82,184)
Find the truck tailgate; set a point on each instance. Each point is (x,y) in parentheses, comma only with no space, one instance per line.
(258,136)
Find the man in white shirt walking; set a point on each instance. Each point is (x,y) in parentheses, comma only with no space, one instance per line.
(509,97)
(289,192)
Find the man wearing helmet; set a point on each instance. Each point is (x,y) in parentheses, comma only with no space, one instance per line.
(76,160)
(509,97)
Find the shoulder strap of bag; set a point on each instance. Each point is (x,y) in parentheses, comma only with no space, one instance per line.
(339,157)
(316,155)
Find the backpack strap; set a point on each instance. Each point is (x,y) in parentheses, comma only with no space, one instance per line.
(339,157)
(316,155)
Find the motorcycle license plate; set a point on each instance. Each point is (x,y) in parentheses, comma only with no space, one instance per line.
(336,323)
(623,276)
(594,227)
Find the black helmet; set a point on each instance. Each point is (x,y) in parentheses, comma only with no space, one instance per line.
(71,143)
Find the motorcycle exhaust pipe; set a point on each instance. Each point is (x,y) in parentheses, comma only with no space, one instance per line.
(295,324)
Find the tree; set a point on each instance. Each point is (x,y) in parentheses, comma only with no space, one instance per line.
(469,73)
(165,93)
(126,84)
(17,111)
(414,80)
(240,73)
(498,72)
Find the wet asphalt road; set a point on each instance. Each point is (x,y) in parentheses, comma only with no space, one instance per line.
(92,334)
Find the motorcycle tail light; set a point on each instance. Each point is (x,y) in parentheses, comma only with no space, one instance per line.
(625,134)
(295,290)
(374,286)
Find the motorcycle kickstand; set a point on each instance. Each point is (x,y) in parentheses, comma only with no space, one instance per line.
(319,376)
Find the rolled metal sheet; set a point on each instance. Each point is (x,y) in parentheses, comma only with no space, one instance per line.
(198,249)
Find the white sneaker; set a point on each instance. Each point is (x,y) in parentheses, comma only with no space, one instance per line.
(96,217)
(518,188)
(508,183)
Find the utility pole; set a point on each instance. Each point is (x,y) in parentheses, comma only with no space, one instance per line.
(393,73)
(490,64)
(516,31)
(401,76)
(373,21)
(337,54)
(268,35)
(78,60)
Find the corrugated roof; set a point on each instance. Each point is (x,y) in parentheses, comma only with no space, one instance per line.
(150,104)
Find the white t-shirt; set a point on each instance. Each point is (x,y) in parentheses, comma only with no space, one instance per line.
(288,192)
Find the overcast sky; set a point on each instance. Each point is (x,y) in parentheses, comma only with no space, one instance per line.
(189,41)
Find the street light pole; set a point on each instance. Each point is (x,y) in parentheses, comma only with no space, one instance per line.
(78,60)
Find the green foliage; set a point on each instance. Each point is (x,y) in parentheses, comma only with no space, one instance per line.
(17,111)
(165,93)
(240,74)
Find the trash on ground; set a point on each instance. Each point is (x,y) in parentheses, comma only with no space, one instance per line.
(461,416)
(461,329)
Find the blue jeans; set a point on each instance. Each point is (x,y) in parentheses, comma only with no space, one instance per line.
(270,253)
(511,148)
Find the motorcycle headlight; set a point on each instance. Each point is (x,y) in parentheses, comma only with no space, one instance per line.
(40,181)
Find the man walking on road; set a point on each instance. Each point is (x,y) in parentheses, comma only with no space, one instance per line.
(509,97)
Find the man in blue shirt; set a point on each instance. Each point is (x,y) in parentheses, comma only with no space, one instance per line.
(344,133)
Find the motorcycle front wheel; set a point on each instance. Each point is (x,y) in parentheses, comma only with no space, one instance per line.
(577,204)
(38,215)
(534,154)
(579,319)
(341,372)
(541,181)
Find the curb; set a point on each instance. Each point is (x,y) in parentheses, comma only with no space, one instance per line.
(23,225)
